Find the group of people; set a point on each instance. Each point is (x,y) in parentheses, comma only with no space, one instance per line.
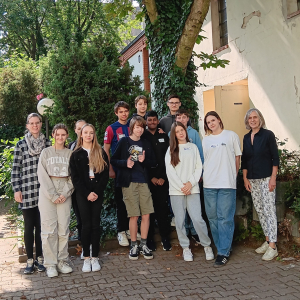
(153,162)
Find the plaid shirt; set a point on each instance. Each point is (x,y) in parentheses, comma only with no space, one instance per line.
(24,175)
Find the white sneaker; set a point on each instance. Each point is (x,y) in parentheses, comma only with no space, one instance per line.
(82,257)
(138,236)
(209,253)
(122,238)
(187,254)
(270,254)
(64,267)
(263,248)
(95,264)
(173,222)
(51,271)
(87,265)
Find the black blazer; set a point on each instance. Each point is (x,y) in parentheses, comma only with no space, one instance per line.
(119,160)
(80,174)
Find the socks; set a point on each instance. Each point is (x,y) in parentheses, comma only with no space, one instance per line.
(133,243)
(143,242)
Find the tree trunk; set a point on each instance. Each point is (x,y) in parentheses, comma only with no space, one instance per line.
(151,10)
(190,32)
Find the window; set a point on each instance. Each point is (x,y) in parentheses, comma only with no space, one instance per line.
(293,8)
(219,24)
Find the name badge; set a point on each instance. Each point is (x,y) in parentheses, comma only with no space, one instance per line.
(161,140)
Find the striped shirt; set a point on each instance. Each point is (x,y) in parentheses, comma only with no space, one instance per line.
(24,175)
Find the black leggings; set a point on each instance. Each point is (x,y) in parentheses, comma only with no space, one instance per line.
(90,212)
(32,221)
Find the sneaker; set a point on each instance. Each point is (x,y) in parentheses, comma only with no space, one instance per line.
(151,245)
(145,251)
(39,264)
(263,248)
(29,267)
(221,261)
(138,236)
(134,252)
(209,253)
(87,265)
(64,267)
(270,254)
(173,222)
(166,244)
(51,272)
(95,264)
(195,237)
(81,255)
(122,238)
(187,254)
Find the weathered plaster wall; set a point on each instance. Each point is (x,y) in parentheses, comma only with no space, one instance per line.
(264,46)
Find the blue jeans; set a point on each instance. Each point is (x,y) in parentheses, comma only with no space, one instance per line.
(220,205)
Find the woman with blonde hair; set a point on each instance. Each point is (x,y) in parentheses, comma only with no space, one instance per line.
(89,171)
(260,161)
(55,202)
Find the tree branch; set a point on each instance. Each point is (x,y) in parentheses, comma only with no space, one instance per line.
(190,32)
(151,10)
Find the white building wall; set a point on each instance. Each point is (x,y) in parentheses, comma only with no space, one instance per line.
(137,62)
(267,53)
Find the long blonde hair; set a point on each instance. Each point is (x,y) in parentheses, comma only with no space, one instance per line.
(96,161)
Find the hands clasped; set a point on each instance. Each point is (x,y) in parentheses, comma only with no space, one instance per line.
(92,197)
(60,199)
(186,189)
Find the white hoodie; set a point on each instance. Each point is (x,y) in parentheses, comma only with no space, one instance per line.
(188,169)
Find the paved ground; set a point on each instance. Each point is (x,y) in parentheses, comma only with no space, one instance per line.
(167,276)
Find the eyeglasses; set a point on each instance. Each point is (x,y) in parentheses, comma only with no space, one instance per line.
(32,124)
(174,103)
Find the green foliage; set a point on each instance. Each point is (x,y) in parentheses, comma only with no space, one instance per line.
(163,37)
(85,83)
(19,85)
(257,232)
(6,160)
(240,233)
(289,162)
(9,132)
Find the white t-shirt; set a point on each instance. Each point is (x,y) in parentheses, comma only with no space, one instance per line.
(219,160)
(91,170)
(188,169)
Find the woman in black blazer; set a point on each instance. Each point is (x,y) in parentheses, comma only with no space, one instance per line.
(89,172)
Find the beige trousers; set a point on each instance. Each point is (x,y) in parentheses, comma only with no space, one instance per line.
(55,220)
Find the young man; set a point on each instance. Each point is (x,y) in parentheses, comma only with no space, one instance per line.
(159,185)
(183,116)
(133,157)
(141,105)
(113,134)
(167,121)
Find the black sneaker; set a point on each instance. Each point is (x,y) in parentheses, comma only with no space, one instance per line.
(151,245)
(134,252)
(195,237)
(29,267)
(166,244)
(145,251)
(221,261)
(39,264)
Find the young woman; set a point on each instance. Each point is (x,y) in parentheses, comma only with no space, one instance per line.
(222,152)
(184,168)
(89,171)
(26,188)
(55,202)
(260,163)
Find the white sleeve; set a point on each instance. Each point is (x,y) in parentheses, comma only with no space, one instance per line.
(171,173)
(195,177)
(236,145)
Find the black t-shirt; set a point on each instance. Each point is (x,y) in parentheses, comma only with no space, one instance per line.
(136,149)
